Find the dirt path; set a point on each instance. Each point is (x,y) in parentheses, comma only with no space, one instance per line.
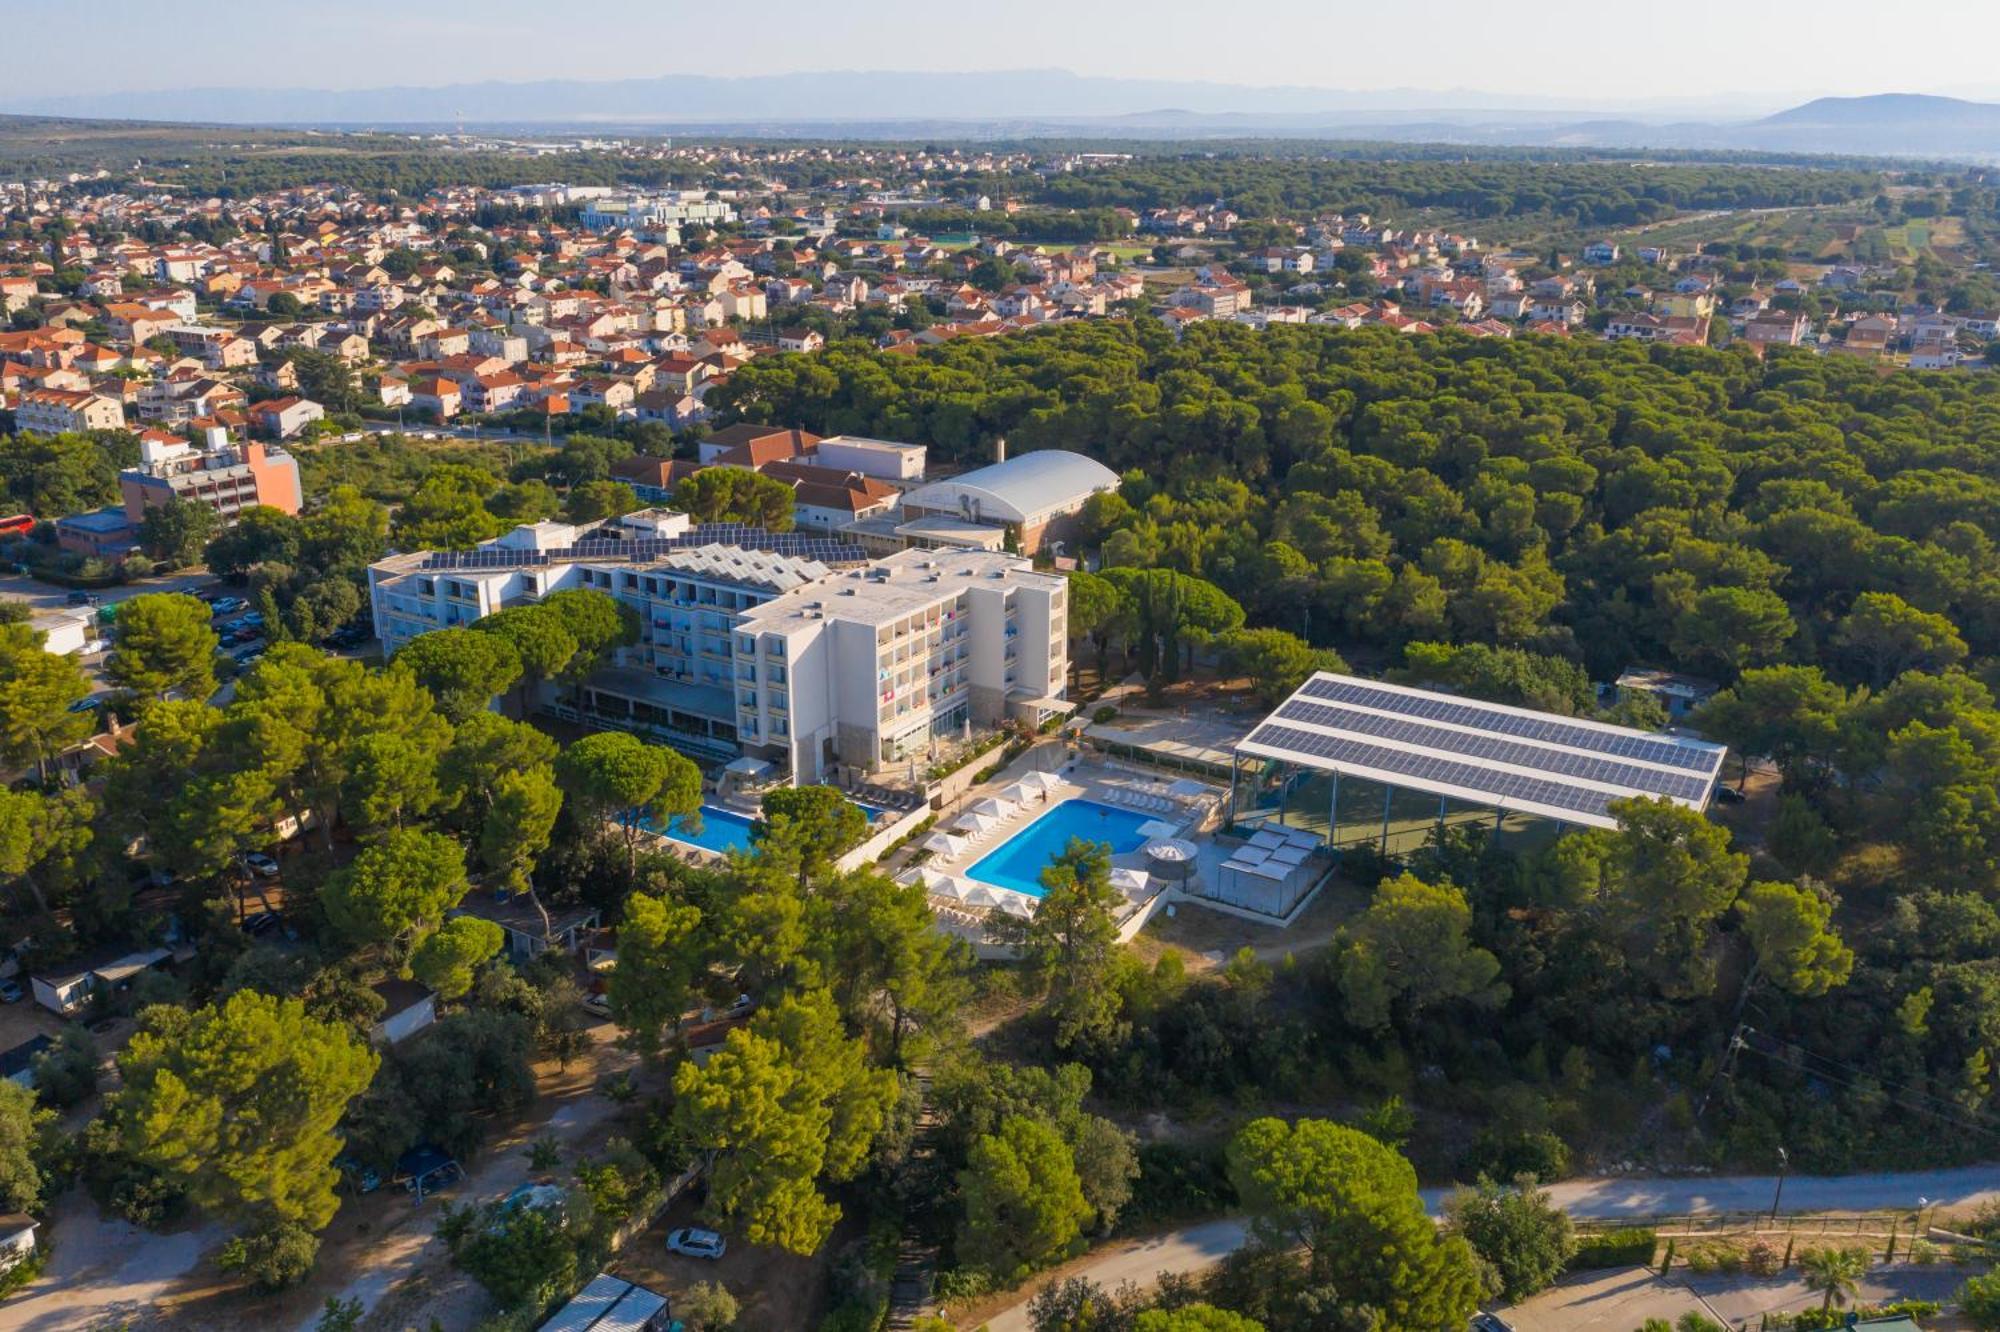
(381,1250)
(103,1269)
(413,1256)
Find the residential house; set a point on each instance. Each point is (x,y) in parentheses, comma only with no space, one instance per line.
(66,989)
(282,418)
(1776,328)
(407,1008)
(1565,311)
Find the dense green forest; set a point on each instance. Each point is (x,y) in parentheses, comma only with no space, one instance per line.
(1594,193)
(1811,532)
(1687,507)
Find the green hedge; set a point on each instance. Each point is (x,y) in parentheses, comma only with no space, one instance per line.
(1815,1320)
(1627,1246)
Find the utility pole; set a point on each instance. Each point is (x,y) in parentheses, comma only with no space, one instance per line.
(1784,1162)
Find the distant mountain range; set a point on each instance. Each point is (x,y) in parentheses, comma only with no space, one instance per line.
(1045,102)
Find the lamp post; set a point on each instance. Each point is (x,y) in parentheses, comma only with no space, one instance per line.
(1784,1161)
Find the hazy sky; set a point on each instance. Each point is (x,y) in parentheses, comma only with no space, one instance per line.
(1573,50)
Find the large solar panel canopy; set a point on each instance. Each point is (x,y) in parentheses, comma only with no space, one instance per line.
(1562,768)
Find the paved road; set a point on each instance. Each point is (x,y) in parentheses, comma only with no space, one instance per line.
(48,596)
(1199,1247)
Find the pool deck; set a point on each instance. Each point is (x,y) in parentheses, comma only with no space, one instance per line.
(1086,777)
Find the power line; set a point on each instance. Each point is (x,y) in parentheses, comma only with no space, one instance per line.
(1948,1112)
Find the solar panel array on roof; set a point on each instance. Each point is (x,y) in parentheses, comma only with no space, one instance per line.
(1462,747)
(1494,749)
(1427,768)
(800,544)
(1535,726)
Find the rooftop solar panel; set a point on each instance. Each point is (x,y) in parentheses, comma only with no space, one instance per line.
(1503,786)
(1489,717)
(804,545)
(1495,749)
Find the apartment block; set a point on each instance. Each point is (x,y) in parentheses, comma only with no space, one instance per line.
(227,477)
(867,668)
(781,646)
(51,411)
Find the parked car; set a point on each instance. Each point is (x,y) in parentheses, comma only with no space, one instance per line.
(1729,795)
(247,634)
(229,605)
(86,704)
(84,599)
(1486,1322)
(246,653)
(694,1242)
(261,865)
(11,991)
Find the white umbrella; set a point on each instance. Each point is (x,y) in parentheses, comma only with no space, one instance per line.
(1021,793)
(979,895)
(1017,904)
(977,825)
(945,844)
(937,881)
(995,808)
(1131,882)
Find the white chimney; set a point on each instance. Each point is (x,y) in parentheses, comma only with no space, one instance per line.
(1000,449)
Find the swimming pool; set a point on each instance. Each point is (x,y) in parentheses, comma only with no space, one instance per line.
(1018,862)
(722,831)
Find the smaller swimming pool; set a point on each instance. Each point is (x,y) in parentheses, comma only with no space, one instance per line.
(722,831)
(1018,862)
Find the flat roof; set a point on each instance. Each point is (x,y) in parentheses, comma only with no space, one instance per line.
(1562,768)
(895,586)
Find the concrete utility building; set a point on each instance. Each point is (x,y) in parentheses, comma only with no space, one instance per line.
(1365,763)
(1023,502)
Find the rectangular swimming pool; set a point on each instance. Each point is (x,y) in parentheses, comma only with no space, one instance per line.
(1018,862)
(724,830)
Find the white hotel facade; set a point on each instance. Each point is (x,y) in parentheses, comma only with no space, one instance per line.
(793,650)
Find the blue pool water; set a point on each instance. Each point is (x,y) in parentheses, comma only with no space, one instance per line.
(1018,862)
(724,830)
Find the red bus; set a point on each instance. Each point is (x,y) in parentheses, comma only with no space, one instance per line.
(17,526)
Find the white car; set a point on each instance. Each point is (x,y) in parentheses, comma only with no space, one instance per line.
(696,1243)
(261,865)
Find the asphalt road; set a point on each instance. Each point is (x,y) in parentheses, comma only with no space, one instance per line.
(1196,1248)
(48,596)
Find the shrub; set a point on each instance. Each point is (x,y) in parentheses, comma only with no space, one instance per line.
(1496,1155)
(707,1306)
(1761,1259)
(1104,714)
(1177,1181)
(1923,1252)
(1625,1246)
(271,1257)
